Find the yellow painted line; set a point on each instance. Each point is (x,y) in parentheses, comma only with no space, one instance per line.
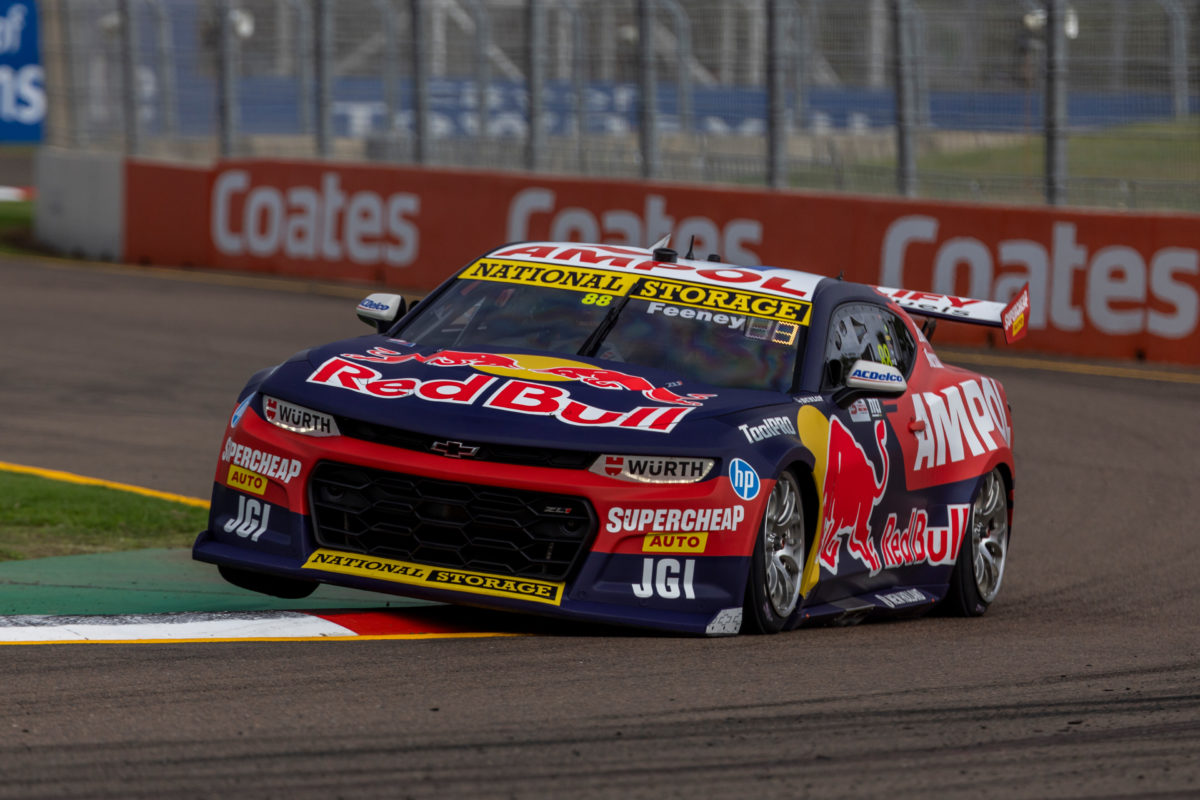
(1072,367)
(351,638)
(70,477)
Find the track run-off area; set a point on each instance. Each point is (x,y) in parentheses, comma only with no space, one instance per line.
(1083,680)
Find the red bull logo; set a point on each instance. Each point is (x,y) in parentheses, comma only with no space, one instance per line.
(851,491)
(515,396)
(530,367)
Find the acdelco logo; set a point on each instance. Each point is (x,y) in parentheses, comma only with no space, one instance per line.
(1124,292)
(310,223)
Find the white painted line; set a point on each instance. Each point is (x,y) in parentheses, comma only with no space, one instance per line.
(159,627)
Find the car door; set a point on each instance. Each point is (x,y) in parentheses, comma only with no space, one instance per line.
(864,489)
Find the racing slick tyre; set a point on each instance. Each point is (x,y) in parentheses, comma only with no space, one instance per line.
(979,570)
(274,585)
(773,585)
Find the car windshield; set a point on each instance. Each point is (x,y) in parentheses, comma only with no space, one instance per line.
(702,344)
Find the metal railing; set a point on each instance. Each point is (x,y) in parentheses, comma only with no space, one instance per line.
(1028,101)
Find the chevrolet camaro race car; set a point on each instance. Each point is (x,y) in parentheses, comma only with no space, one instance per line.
(620,435)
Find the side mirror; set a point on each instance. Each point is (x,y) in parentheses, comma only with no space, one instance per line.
(382,310)
(871,379)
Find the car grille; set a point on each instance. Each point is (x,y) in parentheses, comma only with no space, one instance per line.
(486,451)
(526,534)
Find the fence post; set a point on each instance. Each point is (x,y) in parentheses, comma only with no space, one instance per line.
(1178,50)
(129,78)
(777,111)
(323,52)
(906,162)
(1056,103)
(420,70)
(535,143)
(226,80)
(649,89)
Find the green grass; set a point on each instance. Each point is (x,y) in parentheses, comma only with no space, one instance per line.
(16,227)
(42,517)
(1148,165)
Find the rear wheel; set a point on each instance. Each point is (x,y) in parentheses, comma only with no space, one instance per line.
(773,586)
(274,585)
(979,570)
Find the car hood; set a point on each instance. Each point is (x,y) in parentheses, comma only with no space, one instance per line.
(514,396)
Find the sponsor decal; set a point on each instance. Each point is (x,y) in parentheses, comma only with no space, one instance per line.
(770,426)
(784,282)
(963,420)
(921,544)
(538,368)
(675,542)
(454,449)
(245,480)
(373,305)
(865,410)
(730,301)
(251,520)
(882,377)
(578,279)
(298,419)
(516,396)
(275,467)
(674,520)
(666,578)
(907,597)
(313,223)
(727,622)
(1015,315)
(386,569)
(744,479)
(808,399)
(652,469)
(932,358)
(700,315)
(240,411)
(851,492)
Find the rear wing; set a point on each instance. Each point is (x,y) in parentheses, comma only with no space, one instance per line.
(1012,318)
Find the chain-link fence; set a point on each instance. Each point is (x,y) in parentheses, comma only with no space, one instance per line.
(1022,101)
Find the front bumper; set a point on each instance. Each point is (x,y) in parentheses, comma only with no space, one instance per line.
(664,556)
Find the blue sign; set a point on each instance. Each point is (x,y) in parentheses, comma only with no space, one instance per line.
(22,80)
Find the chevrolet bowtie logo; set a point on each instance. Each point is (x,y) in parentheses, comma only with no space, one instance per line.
(454,449)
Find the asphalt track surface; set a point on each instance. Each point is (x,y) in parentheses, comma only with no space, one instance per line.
(1082,681)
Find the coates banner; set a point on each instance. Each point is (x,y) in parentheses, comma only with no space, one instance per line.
(22,81)
(1102,284)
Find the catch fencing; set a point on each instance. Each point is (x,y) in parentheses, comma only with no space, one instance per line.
(1015,101)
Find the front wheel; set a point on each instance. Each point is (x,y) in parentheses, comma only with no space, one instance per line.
(773,586)
(979,570)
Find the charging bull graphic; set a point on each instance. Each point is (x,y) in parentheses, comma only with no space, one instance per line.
(851,493)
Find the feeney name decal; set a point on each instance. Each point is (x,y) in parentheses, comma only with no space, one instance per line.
(674,520)
(966,413)
(273,466)
(517,396)
(385,569)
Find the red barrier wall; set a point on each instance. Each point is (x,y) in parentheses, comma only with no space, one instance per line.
(1102,284)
